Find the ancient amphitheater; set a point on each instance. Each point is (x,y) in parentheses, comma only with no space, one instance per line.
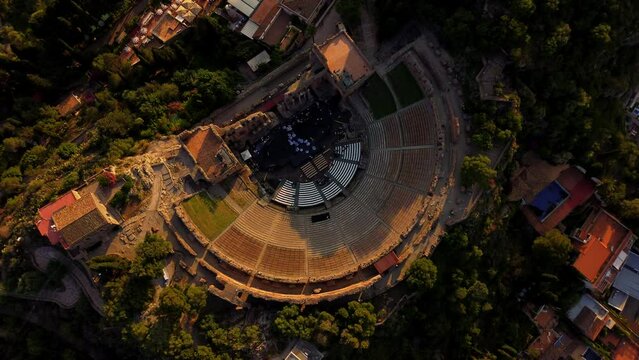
(371,199)
(274,253)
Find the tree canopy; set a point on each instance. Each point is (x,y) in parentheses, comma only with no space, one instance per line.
(553,248)
(477,170)
(422,274)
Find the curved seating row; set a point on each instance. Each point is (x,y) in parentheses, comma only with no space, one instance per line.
(350,152)
(285,193)
(308,194)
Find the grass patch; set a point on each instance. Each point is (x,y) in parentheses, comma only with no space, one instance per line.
(379,97)
(405,86)
(209,215)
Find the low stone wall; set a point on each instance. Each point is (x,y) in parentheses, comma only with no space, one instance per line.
(179,238)
(294,298)
(197,234)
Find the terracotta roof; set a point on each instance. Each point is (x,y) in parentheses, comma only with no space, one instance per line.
(605,238)
(579,187)
(342,56)
(46,213)
(81,219)
(263,11)
(626,351)
(273,32)
(588,322)
(205,145)
(546,318)
(167,27)
(69,104)
(304,8)
(544,341)
(386,262)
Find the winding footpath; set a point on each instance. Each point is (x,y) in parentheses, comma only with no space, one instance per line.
(75,282)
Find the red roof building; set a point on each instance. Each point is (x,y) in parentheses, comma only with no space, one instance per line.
(211,154)
(45,220)
(386,262)
(590,317)
(72,219)
(604,244)
(558,199)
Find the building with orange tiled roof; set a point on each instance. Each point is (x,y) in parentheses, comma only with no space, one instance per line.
(72,220)
(77,222)
(214,159)
(603,244)
(70,104)
(553,342)
(44,223)
(590,317)
(268,23)
(557,200)
(344,61)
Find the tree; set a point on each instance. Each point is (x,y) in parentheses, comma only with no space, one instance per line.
(612,190)
(121,198)
(11,180)
(66,150)
(150,256)
(112,262)
(180,344)
(33,157)
(120,148)
(196,297)
(630,209)
(125,297)
(601,33)
(349,10)
(205,89)
(13,144)
(205,353)
(357,322)
(112,64)
(327,328)
(422,274)
(523,7)
(290,323)
(552,249)
(70,181)
(118,123)
(173,302)
(558,39)
(476,170)
(233,340)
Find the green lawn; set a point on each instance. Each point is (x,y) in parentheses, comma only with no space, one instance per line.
(405,86)
(209,215)
(379,97)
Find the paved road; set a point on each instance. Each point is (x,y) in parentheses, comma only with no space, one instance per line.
(258,91)
(76,279)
